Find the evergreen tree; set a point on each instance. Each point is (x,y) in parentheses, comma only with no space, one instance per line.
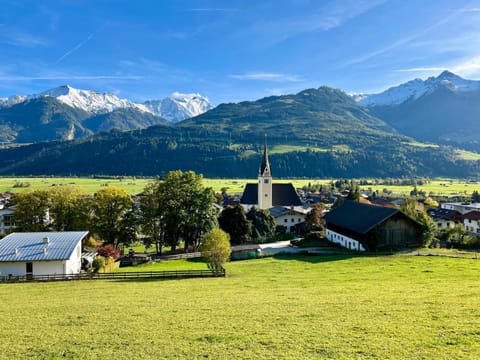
(263,224)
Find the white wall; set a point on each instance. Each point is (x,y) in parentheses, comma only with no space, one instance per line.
(74,264)
(290,220)
(344,241)
(471,225)
(39,268)
(445,224)
(70,266)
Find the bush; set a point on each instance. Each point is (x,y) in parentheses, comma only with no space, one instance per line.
(98,263)
(109,250)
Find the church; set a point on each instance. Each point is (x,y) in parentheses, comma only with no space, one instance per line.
(281,200)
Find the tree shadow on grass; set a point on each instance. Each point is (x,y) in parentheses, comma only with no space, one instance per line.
(314,258)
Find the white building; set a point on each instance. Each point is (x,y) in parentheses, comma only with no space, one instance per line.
(41,253)
(6,219)
(289,217)
(461,207)
(471,222)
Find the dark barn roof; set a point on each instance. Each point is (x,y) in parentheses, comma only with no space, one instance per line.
(358,217)
(282,195)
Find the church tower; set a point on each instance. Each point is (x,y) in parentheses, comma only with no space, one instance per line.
(265,181)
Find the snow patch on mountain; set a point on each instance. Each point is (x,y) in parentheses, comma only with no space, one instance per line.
(12,100)
(178,106)
(416,88)
(90,100)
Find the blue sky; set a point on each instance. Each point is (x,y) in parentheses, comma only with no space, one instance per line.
(233,50)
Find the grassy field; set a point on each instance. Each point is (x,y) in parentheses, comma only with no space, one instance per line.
(337,307)
(135,185)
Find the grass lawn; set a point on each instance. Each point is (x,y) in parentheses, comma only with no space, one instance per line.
(336,307)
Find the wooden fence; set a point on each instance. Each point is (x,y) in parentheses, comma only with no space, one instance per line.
(174,274)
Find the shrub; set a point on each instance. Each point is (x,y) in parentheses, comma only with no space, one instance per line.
(98,263)
(109,250)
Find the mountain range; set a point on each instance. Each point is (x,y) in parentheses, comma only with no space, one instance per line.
(66,113)
(443,109)
(315,133)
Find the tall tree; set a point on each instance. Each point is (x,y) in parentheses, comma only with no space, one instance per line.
(233,220)
(179,207)
(314,218)
(263,224)
(31,211)
(68,208)
(151,222)
(113,216)
(475,196)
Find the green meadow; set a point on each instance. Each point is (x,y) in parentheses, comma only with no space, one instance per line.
(134,185)
(302,307)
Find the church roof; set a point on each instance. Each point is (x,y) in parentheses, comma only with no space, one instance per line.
(282,195)
(265,165)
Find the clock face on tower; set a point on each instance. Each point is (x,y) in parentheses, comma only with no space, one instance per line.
(266,195)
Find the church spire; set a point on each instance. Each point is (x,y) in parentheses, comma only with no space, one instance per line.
(265,166)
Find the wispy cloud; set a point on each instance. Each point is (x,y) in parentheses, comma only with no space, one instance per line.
(465,67)
(264,76)
(21,38)
(68,77)
(330,16)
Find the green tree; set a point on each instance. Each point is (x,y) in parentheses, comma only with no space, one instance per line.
(475,196)
(409,207)
(113,216)
(233,220)
(68,208)
(216,248)
(263,224)
(354,191)
(314,217)
(31,211)
(178,208)
(430,229)
(150,215)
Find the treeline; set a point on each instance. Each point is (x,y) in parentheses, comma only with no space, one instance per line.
(171,211)
(130,154)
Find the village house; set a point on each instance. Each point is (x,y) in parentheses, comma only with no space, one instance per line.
(364,227)
(461,207)
(291,218)
(471,222)
(41,253)
(6,218)
(445,218)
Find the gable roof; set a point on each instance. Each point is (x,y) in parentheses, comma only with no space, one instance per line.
(30,246)
(282,195)
(357,217)
(443,214)
(472,215)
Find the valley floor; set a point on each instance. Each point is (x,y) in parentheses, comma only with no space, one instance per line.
(282,307)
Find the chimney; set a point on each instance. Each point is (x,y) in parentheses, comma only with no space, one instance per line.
(46,240)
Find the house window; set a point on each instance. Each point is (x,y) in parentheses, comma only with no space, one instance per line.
(299,220)
(293,220)
(286,220)
(7,220)
(266,181)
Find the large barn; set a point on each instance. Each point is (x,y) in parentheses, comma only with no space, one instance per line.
(366,227)
(41,253)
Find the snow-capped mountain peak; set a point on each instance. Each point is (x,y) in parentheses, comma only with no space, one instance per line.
(178,106)
(89,100)
(416,88)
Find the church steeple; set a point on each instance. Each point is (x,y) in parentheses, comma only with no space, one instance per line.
(265,165)
(265,181)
